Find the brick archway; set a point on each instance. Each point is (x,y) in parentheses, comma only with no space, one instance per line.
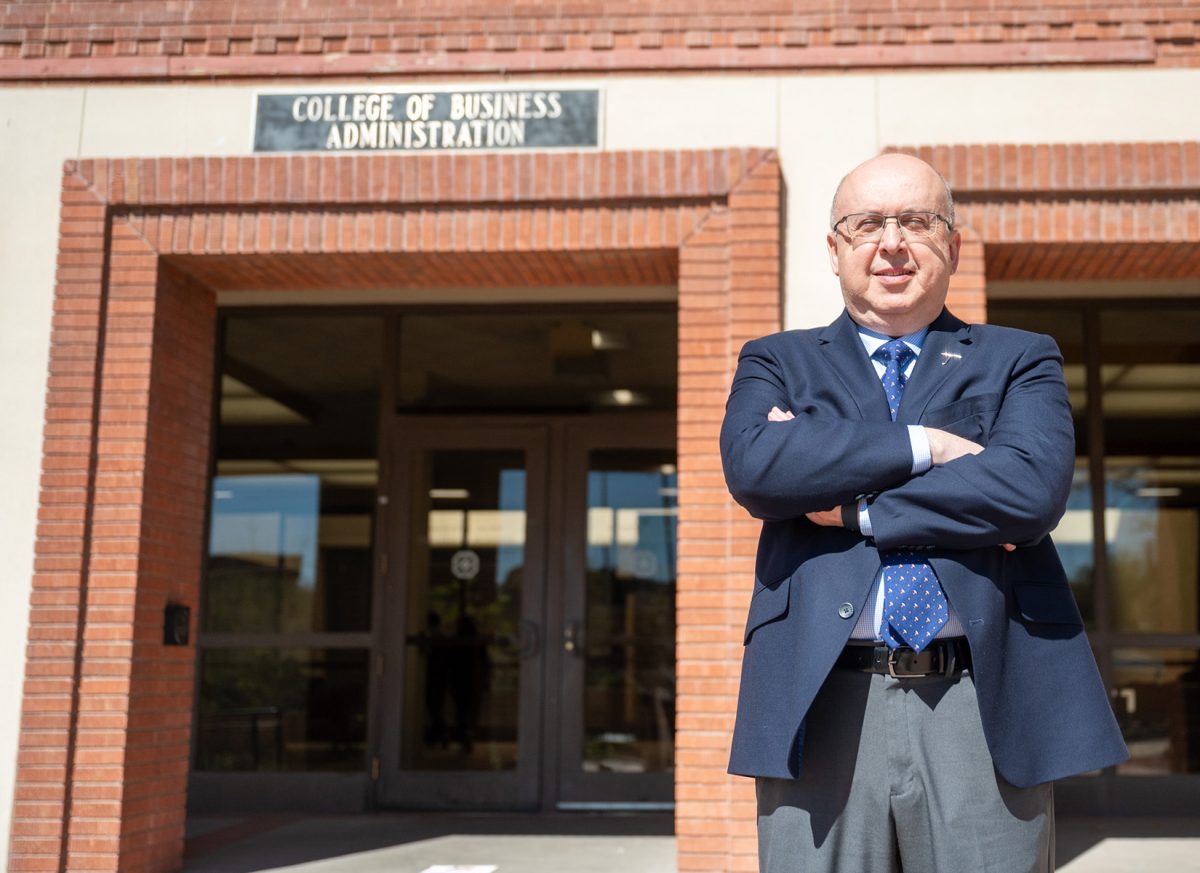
(106,718)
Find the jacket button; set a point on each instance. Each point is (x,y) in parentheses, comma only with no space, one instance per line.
(846,610)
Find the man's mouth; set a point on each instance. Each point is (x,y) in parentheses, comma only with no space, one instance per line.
(893,275)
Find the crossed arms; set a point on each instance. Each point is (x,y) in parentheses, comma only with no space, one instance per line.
(1015,491)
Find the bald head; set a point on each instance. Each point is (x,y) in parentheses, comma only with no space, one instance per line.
(858,183)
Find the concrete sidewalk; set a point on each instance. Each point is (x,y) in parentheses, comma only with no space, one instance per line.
(579,843)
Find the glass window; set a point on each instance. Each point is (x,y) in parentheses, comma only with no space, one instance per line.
(282,709)
(629,640)
(290,544)
(1150,378)
(465,638)
(1157,697)
(279,564)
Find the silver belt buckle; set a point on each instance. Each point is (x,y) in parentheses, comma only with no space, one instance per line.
(891,667)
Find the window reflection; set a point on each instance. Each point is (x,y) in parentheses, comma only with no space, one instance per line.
(1150,379)
(1156,693)
(282,709)
(629,670)
(465,637)
(290,546)
(1152,527)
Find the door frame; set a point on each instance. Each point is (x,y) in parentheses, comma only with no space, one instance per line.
(574,789)
(565,439)
(434,789)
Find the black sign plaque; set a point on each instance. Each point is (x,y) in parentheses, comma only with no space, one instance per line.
(355,121)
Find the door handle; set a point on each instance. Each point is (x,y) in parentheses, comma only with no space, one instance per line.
(573,639)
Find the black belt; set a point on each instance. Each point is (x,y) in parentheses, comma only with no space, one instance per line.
(948,657)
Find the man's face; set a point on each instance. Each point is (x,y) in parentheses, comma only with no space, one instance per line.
(895,285)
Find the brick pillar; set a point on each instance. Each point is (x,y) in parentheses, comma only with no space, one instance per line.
(729,292)
(55,647)
(107,713)
(968,286)
(173,504)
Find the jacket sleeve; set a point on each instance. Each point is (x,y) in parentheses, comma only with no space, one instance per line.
(1014,491)
(816,461)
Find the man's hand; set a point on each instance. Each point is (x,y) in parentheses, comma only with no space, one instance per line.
(945,446)
(826,517)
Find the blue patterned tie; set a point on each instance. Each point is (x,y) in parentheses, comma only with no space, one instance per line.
(914,605)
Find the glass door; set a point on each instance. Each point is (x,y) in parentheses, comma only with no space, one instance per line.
(617,641)
(462,647)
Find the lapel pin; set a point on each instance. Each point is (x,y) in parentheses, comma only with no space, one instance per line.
(950,356)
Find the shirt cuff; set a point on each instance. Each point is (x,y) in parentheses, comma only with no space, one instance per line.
(922,456)
(864,519)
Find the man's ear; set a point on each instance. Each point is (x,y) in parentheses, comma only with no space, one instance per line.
(955,245)
(831,244)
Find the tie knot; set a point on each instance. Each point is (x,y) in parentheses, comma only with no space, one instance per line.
(895,350)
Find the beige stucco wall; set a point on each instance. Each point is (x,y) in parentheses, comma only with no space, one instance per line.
(820,124)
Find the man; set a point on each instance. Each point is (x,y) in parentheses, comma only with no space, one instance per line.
(916,672)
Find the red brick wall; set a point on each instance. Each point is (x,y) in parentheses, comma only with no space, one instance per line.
(1099,211)
(309,38)
(107,708)
(104,743)
(173,497)
(968,286)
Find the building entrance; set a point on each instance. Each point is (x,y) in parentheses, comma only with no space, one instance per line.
(528,588)
(441,569)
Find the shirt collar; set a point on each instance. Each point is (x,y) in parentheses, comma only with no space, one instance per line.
(872,340)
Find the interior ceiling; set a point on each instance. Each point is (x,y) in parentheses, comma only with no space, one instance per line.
(432,270)
(1093,260)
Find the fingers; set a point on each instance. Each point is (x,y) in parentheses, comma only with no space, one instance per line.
(1008,547)
(945,446)
(777,414)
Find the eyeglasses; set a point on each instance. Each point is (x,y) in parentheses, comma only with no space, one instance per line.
(867,227)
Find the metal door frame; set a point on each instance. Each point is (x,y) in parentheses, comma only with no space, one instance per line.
(428,789)
(575,789)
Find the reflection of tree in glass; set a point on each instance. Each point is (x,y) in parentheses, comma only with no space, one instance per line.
(282,709)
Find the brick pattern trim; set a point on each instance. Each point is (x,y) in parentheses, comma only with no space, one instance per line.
(1079,169)
(143,39)
(968,286)
(1078,211)
(106,713)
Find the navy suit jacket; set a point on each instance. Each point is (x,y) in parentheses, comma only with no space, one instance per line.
(1044,708)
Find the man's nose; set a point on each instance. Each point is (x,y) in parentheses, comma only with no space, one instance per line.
(892,239)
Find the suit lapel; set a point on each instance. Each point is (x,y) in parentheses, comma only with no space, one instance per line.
(844,350)
(945,352)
